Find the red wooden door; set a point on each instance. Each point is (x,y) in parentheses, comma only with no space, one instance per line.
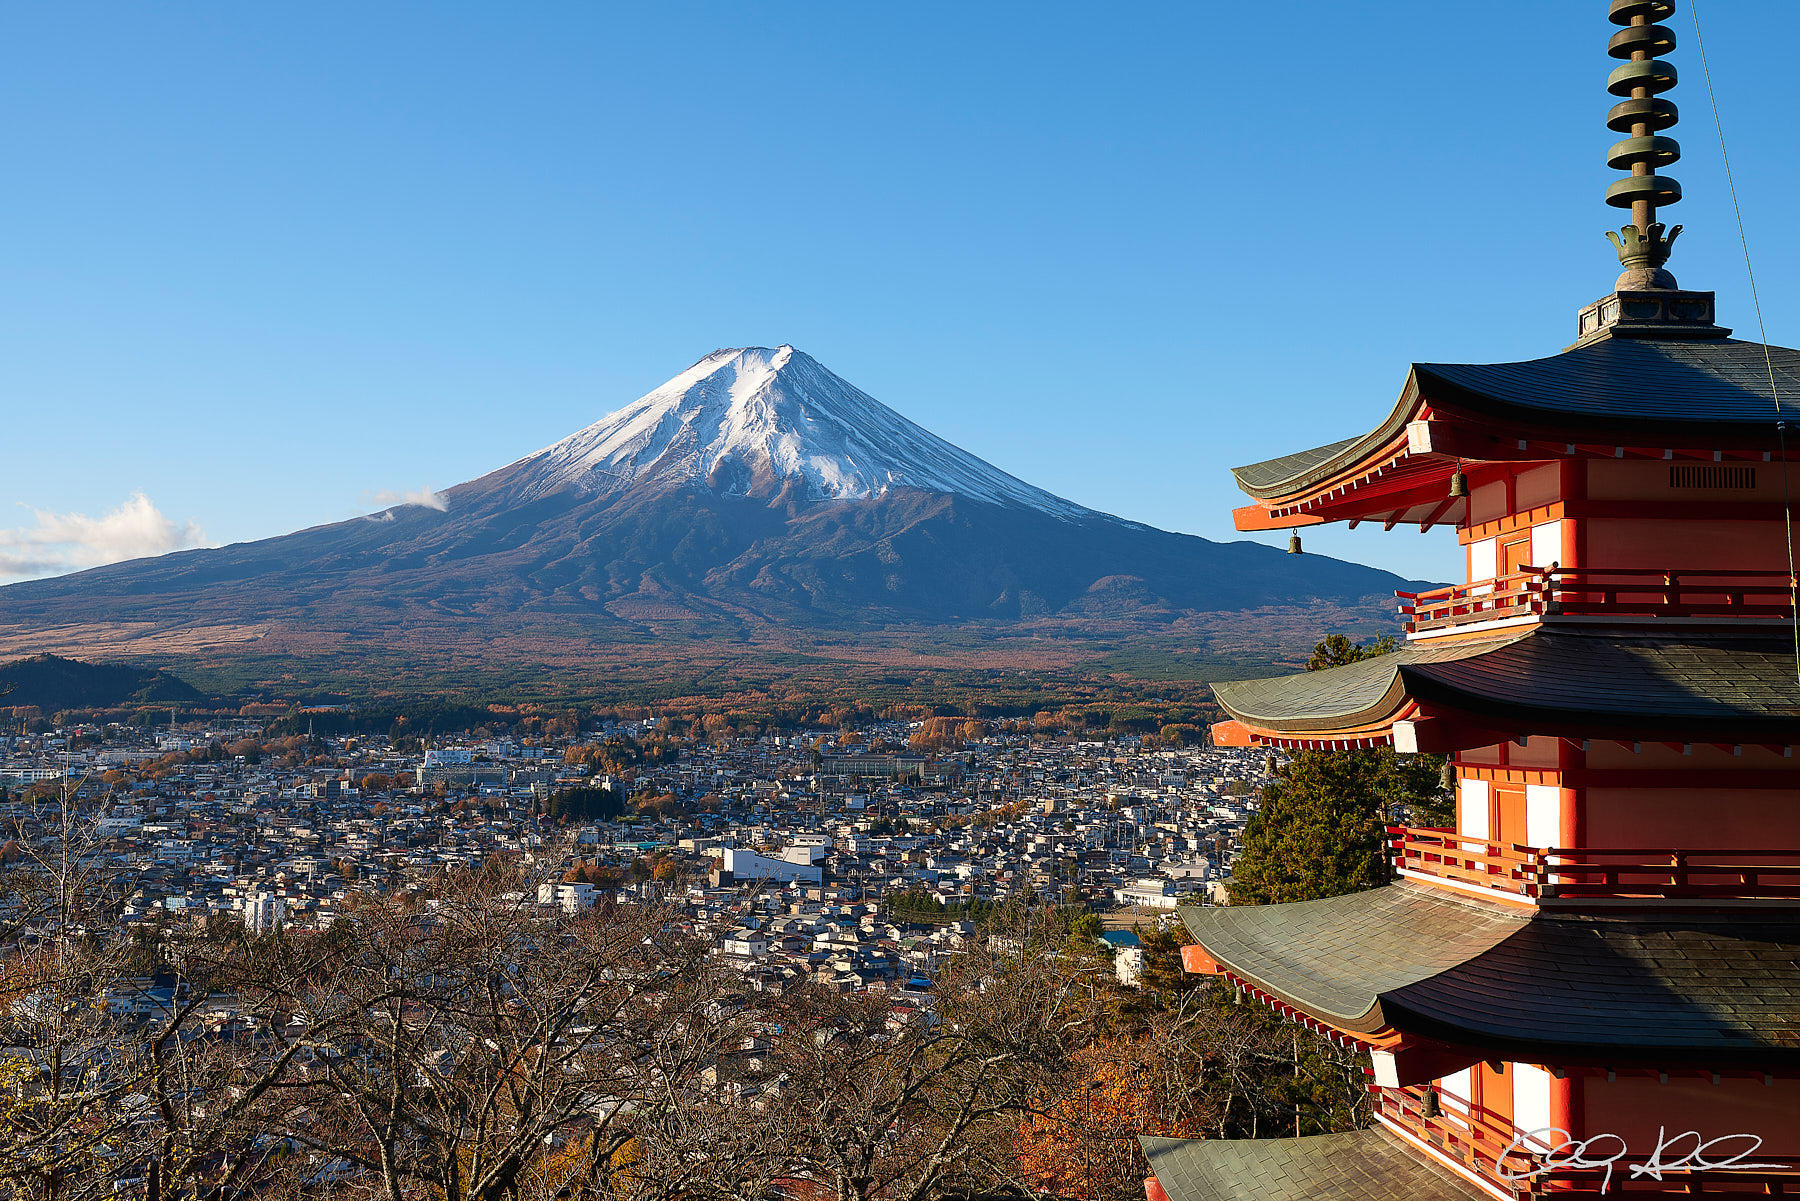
(1515,555)
(1496,1094)
(1506,817)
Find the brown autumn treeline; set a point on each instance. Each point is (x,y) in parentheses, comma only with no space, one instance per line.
(460,1043)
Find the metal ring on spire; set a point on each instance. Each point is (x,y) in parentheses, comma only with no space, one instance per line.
(1623,11)
(1652,112)
(1657,151)
(1641,39)
(1654,75)
(1657,189)
(1641,114)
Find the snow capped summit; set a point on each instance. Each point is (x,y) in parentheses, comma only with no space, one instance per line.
(756,422)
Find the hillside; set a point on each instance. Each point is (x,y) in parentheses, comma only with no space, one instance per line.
(52,683)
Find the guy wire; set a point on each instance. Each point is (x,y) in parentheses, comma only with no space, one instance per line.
(1787,507)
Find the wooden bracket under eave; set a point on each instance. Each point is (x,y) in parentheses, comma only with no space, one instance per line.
(1414,1061)
(1254,517)
(1442,734)
(1195,959)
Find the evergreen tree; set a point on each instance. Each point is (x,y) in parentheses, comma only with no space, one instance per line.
(1162,974)
(579,804)
(1321,829)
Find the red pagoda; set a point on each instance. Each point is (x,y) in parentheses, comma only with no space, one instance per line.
(1591,983)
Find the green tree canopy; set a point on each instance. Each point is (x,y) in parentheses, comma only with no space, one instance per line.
(1321,830)
(578,804)
(1337,650)
(1088,926)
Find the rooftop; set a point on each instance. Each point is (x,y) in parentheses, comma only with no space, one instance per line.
(1712,988)
(1365,1165)
(1572,681)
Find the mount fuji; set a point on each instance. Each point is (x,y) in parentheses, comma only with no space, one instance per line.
(757,422)
(754,492)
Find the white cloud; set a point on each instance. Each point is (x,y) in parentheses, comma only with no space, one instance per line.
(64,542)
(419,496)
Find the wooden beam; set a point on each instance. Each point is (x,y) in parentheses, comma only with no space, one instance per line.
(1251,518)
(1443,507)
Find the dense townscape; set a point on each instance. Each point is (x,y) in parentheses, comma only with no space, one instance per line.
(859,850)
(490,966)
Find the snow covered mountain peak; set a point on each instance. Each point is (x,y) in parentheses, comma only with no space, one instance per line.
(752,421)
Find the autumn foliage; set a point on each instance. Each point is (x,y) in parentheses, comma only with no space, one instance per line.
(1084,1142)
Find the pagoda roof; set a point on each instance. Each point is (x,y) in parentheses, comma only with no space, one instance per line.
(1611,397)
(1628,382)
(1574,680)
(1549,987)
(1338,957)
(1362,1165)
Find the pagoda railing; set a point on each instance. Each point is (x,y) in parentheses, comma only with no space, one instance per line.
(1491,1147)
(1601,592)
(1588,873)
(1460,1130)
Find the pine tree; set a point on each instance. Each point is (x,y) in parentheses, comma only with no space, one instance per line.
(1321,829)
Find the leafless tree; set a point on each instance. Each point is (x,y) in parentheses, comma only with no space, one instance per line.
(69,1070)
(903,1103)
(481,1048)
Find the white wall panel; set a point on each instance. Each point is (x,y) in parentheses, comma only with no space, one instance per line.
(1472,808)
(1543,815)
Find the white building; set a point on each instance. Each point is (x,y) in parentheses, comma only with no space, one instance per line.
(14,773)
(119,822)
(797,865)
(264,912)
(448,757)
(1156,893)
(570,898)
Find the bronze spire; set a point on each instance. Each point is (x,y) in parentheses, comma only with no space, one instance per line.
(1642,114)
(1645,302)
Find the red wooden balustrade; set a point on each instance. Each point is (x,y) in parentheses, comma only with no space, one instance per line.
(1596,872)
(1602,592)
(1465,1132)
(1488,1145)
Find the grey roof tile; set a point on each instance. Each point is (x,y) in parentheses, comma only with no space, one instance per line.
(1717,683)
(1563,985)
(1364,1165)
(1611,389)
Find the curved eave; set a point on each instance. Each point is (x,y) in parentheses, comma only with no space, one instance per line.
(1346,703)
(1417,962)
(1606,400)
(1333,959)
(1308,471)
(1575,683)
(1239,734)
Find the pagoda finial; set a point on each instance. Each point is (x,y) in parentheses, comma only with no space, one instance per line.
(1642,114)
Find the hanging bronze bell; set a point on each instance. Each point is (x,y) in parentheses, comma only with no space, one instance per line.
(1294,545)
(1459,484)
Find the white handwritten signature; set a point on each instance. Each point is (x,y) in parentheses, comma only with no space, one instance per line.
(1571,1152)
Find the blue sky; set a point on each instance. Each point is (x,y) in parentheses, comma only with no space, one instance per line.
(264,262)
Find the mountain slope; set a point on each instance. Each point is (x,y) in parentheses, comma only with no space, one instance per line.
(757,422)
(753,490)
